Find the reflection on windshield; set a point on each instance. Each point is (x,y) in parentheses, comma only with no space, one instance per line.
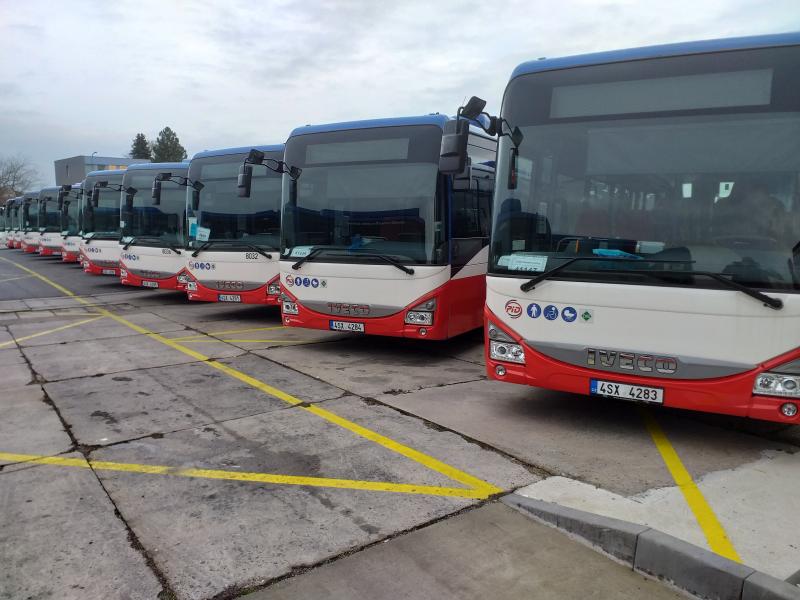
(164,221)
(50,215)
(104,218)
(223,216)
(719,193)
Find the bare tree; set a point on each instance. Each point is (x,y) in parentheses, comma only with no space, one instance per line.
(17,175)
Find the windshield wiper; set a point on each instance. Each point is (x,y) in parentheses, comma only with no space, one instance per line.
(209,243)
(388,259)
(307,257)
(774,303)
(134,240)
(529,285)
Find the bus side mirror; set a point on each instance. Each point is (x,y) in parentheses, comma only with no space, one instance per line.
(155,193)
(129,194)
(453,154)
(244,181)
(196,197)
(95,197)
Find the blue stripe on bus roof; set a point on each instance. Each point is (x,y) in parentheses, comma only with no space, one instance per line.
(437,119)
(661,51)
(239,150)
(158,166)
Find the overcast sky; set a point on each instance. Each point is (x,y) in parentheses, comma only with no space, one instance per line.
(82,76)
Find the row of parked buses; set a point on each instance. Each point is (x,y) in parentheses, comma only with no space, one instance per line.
(638,213)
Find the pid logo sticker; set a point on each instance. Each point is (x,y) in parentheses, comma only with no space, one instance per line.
(513,309)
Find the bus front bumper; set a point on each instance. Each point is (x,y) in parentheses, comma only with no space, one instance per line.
(197,292)
(167,283)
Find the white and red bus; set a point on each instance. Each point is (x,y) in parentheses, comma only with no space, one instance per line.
(50,239)
(153,221)
(646,227)
(99,247)
(30,234)
(14,235)
(10,221)
(233,238)
(375,238)
(71,197)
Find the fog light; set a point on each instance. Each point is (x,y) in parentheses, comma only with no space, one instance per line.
(418,317)
(289,308)
(507,352)
(286,320)
(191,286)
(123,273)
(423,332)
(273,289)
(500,370)
(788,409)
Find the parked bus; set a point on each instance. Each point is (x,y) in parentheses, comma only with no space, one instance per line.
(645,237)
(234,240)
(50,240)
(29,240)
(153,221)
(99,248)
(71,230)
(14,234)
(375,239)
(5,220)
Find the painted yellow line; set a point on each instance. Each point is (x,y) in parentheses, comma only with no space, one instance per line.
(49,331)
(208,340)
(479,488)
(249,477)
(718,540)
(247,330)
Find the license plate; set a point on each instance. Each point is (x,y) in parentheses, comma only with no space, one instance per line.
(150,284)
(347,326)
(109,272)
(229,298)
(623,391)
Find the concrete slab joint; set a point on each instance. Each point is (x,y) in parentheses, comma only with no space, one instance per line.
(652,552)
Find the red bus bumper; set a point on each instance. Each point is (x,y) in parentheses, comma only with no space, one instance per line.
(201,293)
(48,251)
(16,244)
(28,248)
(69,257)
(169,283)
(731,395)
(458,310)
(94,269)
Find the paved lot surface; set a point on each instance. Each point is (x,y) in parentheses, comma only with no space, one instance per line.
(154,448)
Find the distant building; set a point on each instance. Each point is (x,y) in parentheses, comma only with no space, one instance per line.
(75,169)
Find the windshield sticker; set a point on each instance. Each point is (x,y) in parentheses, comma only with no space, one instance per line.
(192,226)
(203,233)
(523,262)
(301,251)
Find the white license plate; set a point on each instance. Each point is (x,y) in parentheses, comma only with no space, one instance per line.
(229,298)
(109,272)
(151,284)
(347,326)
(623,391)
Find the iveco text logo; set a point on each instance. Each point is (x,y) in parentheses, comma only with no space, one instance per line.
(345,308)
(645,363)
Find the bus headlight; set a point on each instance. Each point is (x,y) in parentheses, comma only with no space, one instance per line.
(289,308)
(183,278)
(273,289)
(507,352)
(418,317)
(123,273)
(777,384)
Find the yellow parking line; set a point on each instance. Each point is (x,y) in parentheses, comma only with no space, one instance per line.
(49,331)
(715,534)
(479,488)
(250,477)
(246,330)
(208,340)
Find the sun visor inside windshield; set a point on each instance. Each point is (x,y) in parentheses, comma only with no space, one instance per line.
(752,144)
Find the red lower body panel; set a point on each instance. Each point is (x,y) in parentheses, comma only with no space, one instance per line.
(459,304)
(29,248)
(94,269)
(16,244)
(256,296)
(730,395)
(168,283)
(48,251)
(69,257)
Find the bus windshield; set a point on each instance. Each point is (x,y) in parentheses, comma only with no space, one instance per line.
(224,217)
(70,216)
(152,223)
(30,214)
(365,191)
(679,164)
(49,215)
(102,220)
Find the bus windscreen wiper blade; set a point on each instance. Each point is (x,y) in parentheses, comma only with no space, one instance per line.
(154,238)
(310,256)
(529,285)
(388,259)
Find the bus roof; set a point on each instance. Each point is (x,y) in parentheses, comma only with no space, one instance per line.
(432,119)
(158,166)
(661,51)
(239,150)
(107,172)
(52,188)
